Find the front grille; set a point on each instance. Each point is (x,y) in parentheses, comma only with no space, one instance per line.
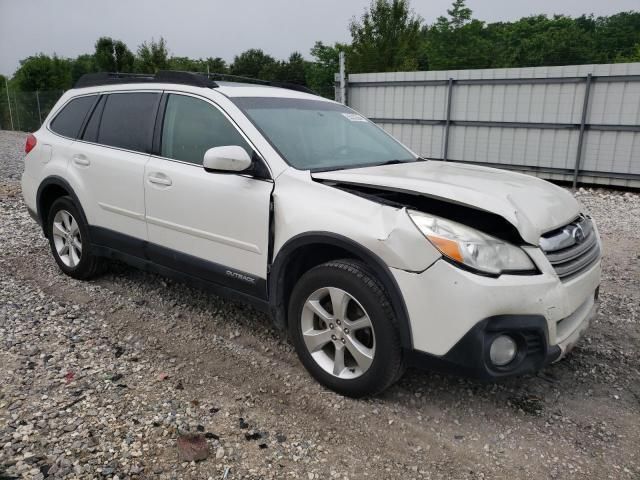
(572,248)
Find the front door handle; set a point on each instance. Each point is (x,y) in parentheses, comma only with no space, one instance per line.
(81,160)
(160,179)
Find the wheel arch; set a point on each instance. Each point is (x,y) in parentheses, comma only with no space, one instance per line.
(50,189)
(285,270)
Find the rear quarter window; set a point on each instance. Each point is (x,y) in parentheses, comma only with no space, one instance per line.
(69,120)
(127,120)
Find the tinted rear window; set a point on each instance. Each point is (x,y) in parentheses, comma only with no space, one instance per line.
(91,130)
(70,118)
(128,119)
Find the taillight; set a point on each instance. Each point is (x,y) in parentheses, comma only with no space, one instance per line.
(31,143)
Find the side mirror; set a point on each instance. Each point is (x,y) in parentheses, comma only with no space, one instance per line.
(230,158)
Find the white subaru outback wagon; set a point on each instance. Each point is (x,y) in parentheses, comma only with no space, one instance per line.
(371,257)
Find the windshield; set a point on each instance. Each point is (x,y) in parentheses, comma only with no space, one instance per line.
(318,135)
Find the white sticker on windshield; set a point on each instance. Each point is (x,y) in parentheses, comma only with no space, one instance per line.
(354,117)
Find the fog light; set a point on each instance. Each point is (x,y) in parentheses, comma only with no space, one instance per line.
(503,350)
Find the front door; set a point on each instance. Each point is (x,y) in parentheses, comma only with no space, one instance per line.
(213,226)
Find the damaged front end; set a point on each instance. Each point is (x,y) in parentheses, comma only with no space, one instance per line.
(472,239)
(482,220)
(515,207)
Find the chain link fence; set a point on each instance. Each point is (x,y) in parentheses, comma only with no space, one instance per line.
(327,91)
(25,111)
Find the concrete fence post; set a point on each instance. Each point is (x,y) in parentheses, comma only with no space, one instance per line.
(343,80)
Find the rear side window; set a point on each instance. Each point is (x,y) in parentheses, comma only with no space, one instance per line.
(192,126)
(91,130)
(69,121)
(127,120)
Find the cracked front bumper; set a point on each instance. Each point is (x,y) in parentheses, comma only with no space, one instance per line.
(455,314)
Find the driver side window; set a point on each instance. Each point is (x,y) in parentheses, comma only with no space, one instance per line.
(192,126)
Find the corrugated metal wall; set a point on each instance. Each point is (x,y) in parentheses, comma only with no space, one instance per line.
(528,119)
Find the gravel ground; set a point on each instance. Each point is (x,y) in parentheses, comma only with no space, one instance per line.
(100,379)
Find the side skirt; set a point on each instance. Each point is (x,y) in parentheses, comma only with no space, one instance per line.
(209,276)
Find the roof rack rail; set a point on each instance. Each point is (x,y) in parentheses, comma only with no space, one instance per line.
(196,79)
(258,81)
(163,76)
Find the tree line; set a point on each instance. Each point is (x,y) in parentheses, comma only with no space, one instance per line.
(387,37)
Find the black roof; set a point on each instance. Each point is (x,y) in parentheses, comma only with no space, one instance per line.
(195,79)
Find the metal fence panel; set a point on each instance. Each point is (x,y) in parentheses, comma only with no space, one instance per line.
(424,140)
(530,119)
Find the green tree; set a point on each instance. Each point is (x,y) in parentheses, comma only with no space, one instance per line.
(320,73)
(386,38)
(5,119)
(617,36)
(539,40)
(254,63)
(82,64)
(216,65)
(186,64)
(458,41)
(42,72)
(459,13)
(152,56)
(293,70)
(113,56)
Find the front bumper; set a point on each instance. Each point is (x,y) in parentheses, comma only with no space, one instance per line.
(470,356)
(454,315)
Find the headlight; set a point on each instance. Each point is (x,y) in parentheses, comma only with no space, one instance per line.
(471,247)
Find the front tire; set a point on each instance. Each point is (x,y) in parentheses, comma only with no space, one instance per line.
(68,236)
(344,330)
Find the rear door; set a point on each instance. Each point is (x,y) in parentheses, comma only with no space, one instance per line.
(109,165)
(213,226)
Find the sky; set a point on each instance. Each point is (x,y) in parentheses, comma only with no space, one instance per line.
(216,28)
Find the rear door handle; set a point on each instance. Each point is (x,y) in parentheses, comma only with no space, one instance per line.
(160,179)
(80,159)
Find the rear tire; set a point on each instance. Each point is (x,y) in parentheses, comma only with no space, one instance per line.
(344,329)
(68,236)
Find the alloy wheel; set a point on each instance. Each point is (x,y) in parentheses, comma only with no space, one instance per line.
(66,238)
(338,333)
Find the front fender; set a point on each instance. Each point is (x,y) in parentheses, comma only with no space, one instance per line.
(278,271)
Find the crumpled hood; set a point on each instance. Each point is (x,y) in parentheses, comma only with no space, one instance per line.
(532,205)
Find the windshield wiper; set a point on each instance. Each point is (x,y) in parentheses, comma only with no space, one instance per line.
(395,162)
(364,165)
